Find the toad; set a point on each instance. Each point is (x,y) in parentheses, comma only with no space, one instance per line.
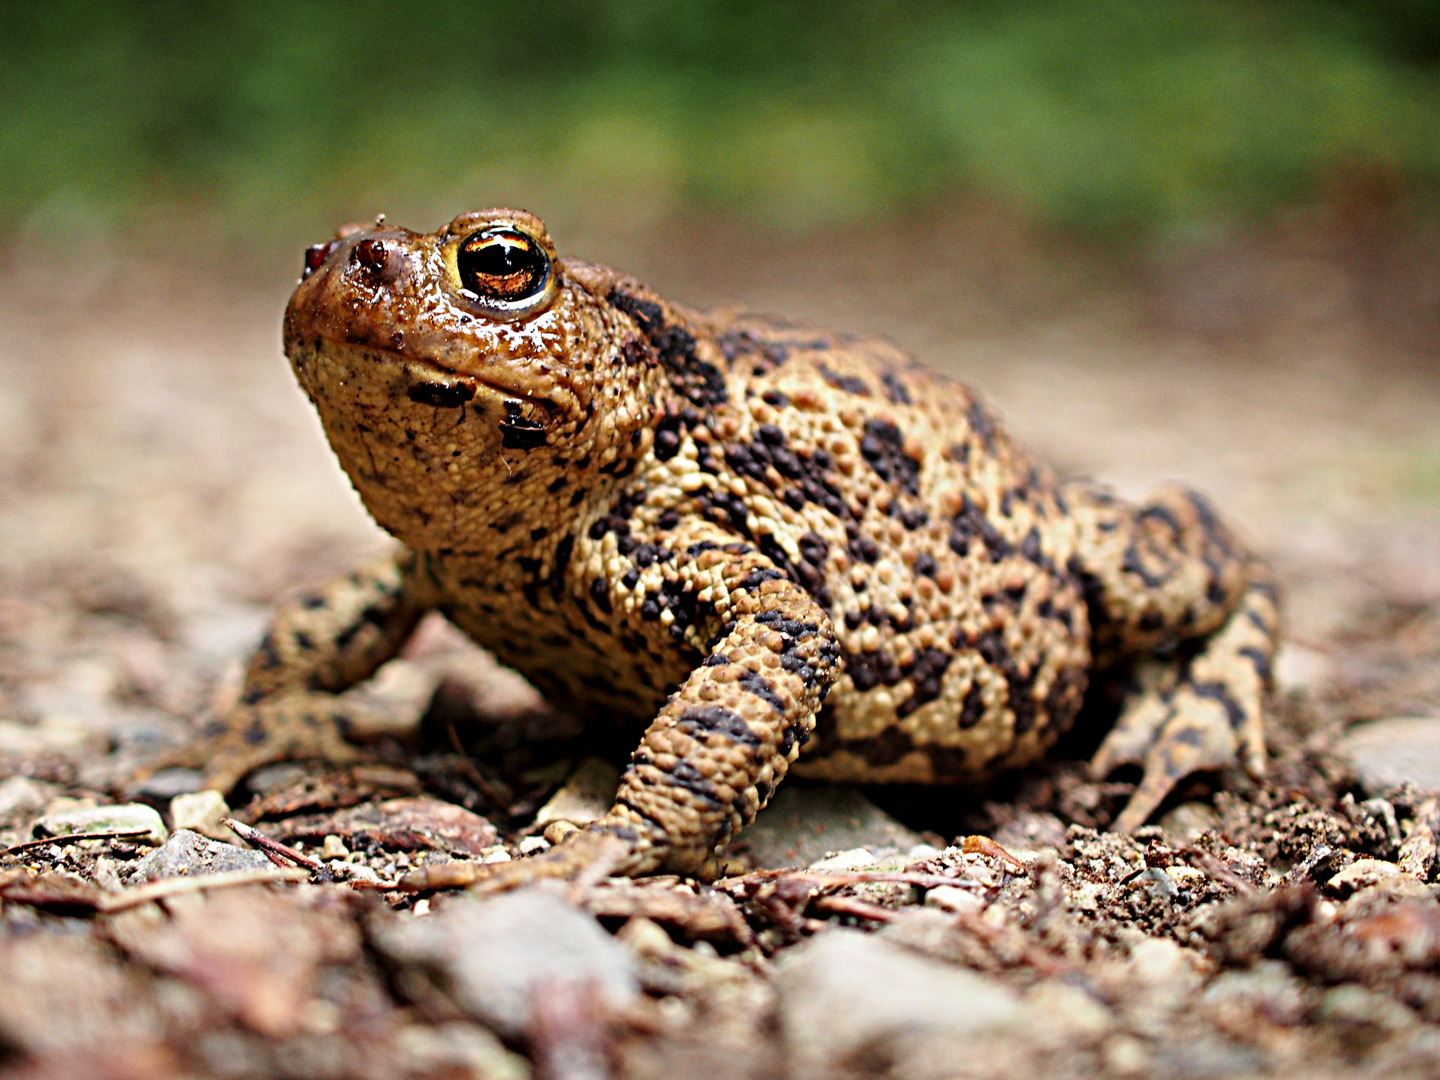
(752,547)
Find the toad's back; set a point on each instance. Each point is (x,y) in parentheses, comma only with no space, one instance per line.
(940,550)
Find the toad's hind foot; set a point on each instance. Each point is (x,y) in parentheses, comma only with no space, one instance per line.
(293,726)
(585,856)
(1200,716)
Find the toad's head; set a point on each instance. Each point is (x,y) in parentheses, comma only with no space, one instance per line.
(468,379)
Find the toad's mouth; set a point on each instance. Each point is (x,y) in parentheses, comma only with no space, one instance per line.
(451,389)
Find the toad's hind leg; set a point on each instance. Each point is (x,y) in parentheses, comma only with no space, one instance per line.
(1169,576)
(1203,714)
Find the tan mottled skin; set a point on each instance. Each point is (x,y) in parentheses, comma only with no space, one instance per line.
(762,548)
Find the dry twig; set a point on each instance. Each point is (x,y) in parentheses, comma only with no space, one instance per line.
(274,850)
(72,838)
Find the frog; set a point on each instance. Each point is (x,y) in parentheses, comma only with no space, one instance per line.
(745,546)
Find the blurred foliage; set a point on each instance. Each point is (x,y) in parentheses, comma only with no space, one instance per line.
(1096,113)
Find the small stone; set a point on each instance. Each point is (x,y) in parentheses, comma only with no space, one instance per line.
(202,812)
(1387,753)
(1069,1008)
(844,992)
(955,900)
(921,852)
(456,1048)
(167,783)
(559,830)
(493,955)
(1362,874)
(1125,1055)
(1189,820)
(533,845)
(1301,668)
(1159,961)
(188,854)
(355,872)
(273,777)
(802,825)
(496,856)
(1268,988)
(122,817)
(20,796)
(1356,1006)
(585,797)
(1158,884)
(854,859)
(332,847)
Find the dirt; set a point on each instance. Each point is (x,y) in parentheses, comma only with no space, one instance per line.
(164,483)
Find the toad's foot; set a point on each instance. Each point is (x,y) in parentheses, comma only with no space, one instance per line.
(286,727)
(1202,716)
(583,857)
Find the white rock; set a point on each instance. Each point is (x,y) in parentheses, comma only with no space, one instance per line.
(332,847)
(854,859)
(585,797)
(844,992)
(955,900)
(493,954)
(1363,873)
(188,854)
(1070,1009)
(201,812)
(1386,753)
(456,1048)
(803,824)
(19,795)
(124,817)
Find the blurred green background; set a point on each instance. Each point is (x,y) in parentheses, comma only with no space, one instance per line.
(1130,117)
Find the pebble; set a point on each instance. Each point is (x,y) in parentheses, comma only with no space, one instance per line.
(1365,873)
(332,847)
(1070,1009)
(1157,883)
(533,845)
(1357,1006)
(274,777)
(167,783)
(1385,753)
(189,854)
(844,992)
(955,900)
(854,859)
(494,954)
(123,817)
(557,831)
(202,812)
(802,825)
(19,795)
(585,797)
(456,1048)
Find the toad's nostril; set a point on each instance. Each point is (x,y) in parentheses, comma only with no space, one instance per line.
(315,256)
(371,254)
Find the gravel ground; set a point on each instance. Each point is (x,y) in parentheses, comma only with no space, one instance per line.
(164,483)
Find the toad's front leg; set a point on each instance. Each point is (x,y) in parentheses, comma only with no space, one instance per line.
(714,754)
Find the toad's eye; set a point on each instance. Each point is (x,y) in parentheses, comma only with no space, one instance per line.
(502,264)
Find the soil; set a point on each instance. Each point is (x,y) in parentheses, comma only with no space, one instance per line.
(165,483)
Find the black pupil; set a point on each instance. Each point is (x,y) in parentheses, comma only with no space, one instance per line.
(501,264)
